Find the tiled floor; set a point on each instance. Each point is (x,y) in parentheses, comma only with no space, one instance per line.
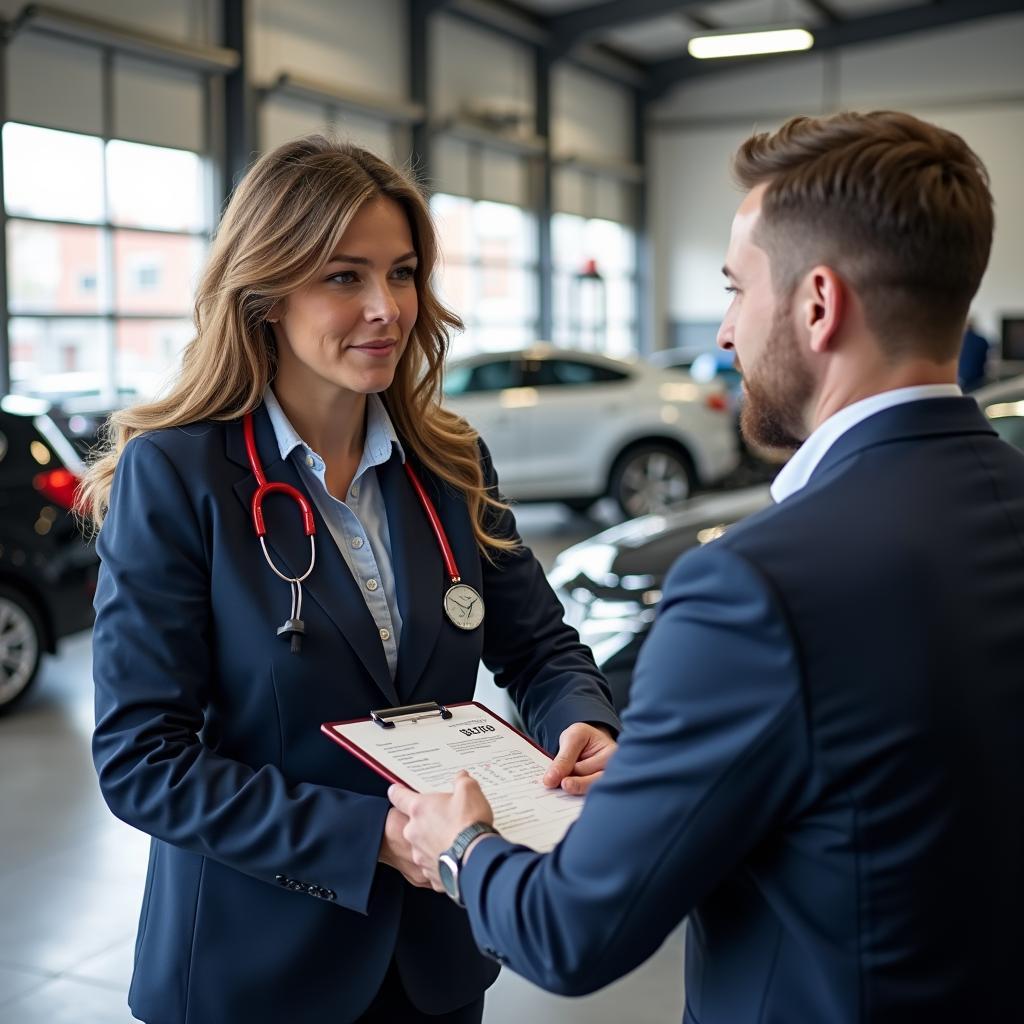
(71,875)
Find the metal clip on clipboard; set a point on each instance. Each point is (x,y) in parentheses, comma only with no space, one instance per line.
(387,717)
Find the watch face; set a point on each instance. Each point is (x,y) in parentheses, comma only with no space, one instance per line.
(464,606)
(448,869)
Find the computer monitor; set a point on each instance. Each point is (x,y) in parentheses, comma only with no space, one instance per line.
(1013,339)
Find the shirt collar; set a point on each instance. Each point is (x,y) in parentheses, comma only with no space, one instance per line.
(796,473)
(381,437)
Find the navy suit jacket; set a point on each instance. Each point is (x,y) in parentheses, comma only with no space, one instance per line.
(264,900)
(823,760)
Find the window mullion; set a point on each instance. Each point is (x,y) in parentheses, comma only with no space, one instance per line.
(108,295)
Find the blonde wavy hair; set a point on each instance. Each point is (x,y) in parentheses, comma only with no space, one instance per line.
(281,226)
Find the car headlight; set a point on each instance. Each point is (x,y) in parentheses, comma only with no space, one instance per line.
(606,625)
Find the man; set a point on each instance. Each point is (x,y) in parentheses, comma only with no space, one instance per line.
(972,366)
(823,761)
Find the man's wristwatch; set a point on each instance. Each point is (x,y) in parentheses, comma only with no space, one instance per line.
(449,864)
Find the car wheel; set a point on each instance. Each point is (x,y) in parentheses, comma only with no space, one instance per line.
(650,478)
(21,645)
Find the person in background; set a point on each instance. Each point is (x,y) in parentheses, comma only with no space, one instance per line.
(280,886)
(822,763)
(972,366)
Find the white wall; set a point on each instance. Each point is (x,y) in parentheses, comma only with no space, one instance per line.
(589,115)
(351,45)
(473,67)
(354,44)
(57,84)
(188,20)
(969,79)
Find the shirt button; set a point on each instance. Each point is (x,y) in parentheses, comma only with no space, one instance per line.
(371,584)
(385,635)
(354,491)
(357,542)
(310,461)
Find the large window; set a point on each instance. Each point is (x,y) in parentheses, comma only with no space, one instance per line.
(595,284)
(105,240)
(488,271)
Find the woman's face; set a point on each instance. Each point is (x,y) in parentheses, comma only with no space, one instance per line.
(348,328)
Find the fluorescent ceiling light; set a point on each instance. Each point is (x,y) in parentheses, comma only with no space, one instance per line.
(746,44)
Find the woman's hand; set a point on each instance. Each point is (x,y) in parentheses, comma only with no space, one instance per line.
(583,753)
(396,852)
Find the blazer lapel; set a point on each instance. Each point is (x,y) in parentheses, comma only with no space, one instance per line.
(419,571)
(330,584)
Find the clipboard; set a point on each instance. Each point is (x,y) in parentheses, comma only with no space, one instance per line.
(422,746)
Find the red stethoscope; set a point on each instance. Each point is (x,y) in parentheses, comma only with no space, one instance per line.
(462,604)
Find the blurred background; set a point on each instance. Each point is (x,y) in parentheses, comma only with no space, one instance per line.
(576,155)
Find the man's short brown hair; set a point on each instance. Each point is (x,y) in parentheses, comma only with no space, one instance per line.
(899,208)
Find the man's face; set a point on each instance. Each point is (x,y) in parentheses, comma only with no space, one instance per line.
(777,379)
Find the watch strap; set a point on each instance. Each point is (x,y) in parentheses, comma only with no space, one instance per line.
(458,848)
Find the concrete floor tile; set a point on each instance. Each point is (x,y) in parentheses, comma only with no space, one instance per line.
(112,967)
(18,981)
(66,1001)
(652,994)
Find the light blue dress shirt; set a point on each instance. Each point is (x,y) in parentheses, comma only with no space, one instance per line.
(359,524)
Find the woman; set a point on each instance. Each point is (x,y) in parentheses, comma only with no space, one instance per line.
(280,886)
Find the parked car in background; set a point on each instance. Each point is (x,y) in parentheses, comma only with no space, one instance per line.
(704,367)
(1003,404)
(610,585)
(47,569)
(570,426)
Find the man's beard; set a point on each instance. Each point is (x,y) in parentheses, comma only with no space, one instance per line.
(777,392)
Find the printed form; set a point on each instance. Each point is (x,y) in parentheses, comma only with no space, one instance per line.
(425,755)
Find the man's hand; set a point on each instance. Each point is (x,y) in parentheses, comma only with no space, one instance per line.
(433,820)
(583,752)
(396,852)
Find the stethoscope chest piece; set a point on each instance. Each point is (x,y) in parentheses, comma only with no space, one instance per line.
(463,606)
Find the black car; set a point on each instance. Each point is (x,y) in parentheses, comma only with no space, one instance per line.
(47,568)
(610,585)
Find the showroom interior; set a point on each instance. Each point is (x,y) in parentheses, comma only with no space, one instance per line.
(576,160)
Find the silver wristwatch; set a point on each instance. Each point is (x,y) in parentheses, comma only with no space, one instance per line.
(449,864)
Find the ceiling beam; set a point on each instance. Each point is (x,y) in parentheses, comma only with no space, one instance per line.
(851,32)
(828,13)
(699,22)
(573,27)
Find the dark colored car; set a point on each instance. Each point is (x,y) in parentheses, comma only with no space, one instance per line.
(47,569)
(610,585)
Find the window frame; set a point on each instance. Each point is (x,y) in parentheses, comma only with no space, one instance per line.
(108,267)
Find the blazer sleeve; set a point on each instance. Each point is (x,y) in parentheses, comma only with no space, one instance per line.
(532,652)
(713,754)
(153,670)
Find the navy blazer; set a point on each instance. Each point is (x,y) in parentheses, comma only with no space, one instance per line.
(823,760)
(264,900)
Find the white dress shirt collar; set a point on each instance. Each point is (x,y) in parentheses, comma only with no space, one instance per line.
(795,474)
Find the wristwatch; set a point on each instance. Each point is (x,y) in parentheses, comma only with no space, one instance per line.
(449,864)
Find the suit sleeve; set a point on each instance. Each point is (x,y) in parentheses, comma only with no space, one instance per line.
(532,652)
(154,676)
(713,754)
